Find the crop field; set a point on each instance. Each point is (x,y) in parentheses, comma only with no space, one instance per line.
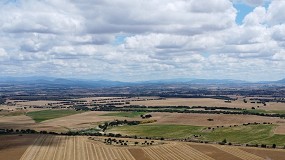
(71,148)
(190,126)
(81,120)
(251,134)
(35,103)
(44,115)
(218,119)
(47,147)
(125,114)
(12,147)
(210,102)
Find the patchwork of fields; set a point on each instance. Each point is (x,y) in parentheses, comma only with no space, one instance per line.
(47,147)
(236,129)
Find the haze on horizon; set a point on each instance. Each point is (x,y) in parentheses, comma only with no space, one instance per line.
(143,40)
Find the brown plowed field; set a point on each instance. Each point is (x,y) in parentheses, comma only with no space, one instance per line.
(12,147)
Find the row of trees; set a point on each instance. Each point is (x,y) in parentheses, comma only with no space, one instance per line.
(111,141)
(2,100)
(104,126)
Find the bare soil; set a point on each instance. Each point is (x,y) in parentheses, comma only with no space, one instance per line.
(214,152)
(139,154)
(267,153)
(12,147)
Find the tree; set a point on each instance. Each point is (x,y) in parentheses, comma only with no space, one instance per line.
(274,145)
(224,141)
(263,145)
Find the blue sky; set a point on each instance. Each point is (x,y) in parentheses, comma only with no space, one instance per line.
(143,40)
(243,9)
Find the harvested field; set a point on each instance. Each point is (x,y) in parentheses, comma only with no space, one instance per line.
(12,147)
(125,114)
(218,119)
(265,153)
(139,154)
(78,121)
(280,129)
(177,151)
(239,153)
(72,148)
(210,102)
(16,122)
(213,152)
(36,103)
(48,147)
(90,99)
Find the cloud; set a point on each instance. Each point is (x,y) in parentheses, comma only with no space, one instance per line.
(169,39)
(3,53)
(253,3)
(184,17)
(275,13)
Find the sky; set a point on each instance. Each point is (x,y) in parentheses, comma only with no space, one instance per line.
(141,40)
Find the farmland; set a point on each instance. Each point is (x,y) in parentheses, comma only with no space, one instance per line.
(69,127)
(251,134)
(46,147)
(39,116)
(125,114)
(239,103)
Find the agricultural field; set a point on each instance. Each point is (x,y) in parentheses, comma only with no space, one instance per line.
(250,134)
(39,116)
(47,147)
(210,102)
(12,147)
(125,114)
(218,119)
(78,121)
(171,126)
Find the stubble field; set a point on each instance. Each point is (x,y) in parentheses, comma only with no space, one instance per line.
(210,102)
(47,147)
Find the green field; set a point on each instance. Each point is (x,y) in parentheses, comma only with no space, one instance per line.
(39,116)
(251,134)
(125,114)
(166,131)
(264,111)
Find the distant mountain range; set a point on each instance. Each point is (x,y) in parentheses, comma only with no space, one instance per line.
(108,83)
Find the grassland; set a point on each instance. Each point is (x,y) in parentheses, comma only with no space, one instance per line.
(251,134)
(124,114)
(39,116)
(167,131)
